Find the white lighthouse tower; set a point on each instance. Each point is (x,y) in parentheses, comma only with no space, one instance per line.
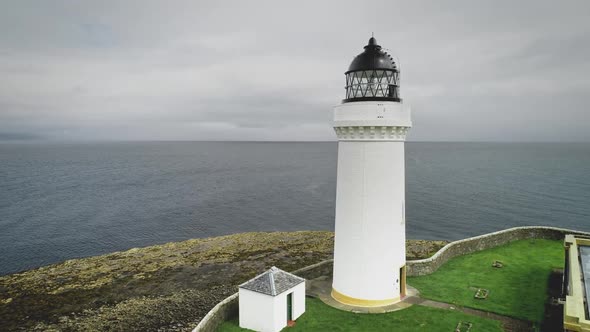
(371,125)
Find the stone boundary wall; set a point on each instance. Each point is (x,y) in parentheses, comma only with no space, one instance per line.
(223,311)
(228,308)
(466,246)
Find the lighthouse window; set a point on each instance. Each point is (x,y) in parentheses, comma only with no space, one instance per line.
(371,84)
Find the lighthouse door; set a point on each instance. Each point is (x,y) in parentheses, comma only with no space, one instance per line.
(402,284)
(290,307)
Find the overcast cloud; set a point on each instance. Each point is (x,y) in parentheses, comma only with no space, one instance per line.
(252,70)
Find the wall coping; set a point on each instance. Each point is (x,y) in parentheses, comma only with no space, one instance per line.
(442,250)
(213,312)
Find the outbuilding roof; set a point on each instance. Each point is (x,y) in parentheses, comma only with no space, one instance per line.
(272,282)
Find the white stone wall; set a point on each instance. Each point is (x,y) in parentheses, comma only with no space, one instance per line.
(372,113)
(280,306)
(257,311)
(370,230)
(369,245)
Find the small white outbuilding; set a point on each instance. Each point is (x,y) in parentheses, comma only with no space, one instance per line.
(270,300)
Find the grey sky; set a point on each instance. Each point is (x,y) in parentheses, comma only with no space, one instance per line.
(250,70)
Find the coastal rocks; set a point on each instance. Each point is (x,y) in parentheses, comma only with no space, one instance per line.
(175,312)
(150,288)
(167,287)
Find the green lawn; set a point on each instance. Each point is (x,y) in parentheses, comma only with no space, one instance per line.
(518,289)
(320,317)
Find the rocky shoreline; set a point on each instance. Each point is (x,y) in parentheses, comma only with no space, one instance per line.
(167,287)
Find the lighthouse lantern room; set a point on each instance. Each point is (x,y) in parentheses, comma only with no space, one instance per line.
(372,75)
(371,125)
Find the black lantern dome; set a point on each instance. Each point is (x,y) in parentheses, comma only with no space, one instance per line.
(372,75)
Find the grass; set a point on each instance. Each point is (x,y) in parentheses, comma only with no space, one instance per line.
(518,289)
(320,317)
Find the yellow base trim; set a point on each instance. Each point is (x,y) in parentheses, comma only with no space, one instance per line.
(345,299)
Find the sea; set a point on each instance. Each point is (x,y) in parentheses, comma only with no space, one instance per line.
(60,201)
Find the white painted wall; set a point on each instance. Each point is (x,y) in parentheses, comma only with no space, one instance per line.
(256,311)
(371,113)
(299,300)
(370,229)
(280,306)
(266,313)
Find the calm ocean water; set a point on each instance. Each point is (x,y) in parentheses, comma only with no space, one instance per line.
(61,201)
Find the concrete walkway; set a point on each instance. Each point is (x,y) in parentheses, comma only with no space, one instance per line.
(322,286)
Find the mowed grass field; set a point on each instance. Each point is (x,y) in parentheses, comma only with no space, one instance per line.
(320,317)
(519,289)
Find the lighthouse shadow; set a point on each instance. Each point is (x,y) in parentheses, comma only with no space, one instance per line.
(553,318)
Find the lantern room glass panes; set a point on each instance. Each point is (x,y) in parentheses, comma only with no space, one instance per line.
(372,83)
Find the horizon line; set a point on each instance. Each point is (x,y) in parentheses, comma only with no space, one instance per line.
(258,141)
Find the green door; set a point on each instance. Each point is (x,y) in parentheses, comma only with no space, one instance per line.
(289,306)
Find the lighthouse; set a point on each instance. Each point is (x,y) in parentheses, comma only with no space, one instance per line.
(370,233)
